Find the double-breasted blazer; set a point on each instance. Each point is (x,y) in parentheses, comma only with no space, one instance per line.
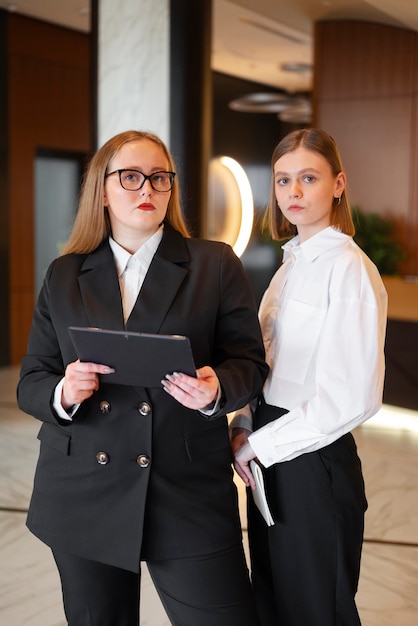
(136,475)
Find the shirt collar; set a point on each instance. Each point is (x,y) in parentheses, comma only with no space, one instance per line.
(314,246)
(144,254)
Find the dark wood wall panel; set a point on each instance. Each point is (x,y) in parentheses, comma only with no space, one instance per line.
(4,200)
(412,234)
(360,59)
(365,95)
(49,107)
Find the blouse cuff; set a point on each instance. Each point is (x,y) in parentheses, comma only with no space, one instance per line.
(58,408)
(214,406)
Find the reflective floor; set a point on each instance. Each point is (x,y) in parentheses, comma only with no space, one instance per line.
(388,594)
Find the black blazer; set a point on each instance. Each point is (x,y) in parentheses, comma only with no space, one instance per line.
(136,475)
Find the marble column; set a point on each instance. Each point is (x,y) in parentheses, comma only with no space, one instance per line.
(153,66)
(133,67)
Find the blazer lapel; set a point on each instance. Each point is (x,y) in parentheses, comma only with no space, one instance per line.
(100,292)
(164,278)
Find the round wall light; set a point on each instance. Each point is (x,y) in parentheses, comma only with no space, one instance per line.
(230,204)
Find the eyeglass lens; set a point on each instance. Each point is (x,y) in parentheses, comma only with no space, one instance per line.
(133,180)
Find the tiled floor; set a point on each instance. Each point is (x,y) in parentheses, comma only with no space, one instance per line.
(388,594)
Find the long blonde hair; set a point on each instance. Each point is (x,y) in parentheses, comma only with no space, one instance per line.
(92,224)
(318,141)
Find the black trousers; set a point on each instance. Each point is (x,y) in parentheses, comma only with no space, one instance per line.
(305,568)
(212,590)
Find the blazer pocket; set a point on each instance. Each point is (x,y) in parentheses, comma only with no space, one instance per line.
(204,443)
(55,438)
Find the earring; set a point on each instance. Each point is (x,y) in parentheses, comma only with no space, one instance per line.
(338,200)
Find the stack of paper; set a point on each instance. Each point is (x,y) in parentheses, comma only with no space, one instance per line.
(259,493)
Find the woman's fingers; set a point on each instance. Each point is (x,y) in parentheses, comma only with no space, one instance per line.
(194,393)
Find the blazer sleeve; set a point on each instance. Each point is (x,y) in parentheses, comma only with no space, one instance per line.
(42,367)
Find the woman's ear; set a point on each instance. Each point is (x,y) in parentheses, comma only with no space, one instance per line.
(340,182)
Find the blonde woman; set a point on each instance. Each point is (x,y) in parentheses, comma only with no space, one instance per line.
(127,473)
(323,319)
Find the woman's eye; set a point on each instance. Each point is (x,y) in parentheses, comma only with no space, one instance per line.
(282,181)
(309,179)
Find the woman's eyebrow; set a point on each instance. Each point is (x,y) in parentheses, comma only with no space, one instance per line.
(306,169)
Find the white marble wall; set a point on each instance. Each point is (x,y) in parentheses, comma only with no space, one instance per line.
(133,67)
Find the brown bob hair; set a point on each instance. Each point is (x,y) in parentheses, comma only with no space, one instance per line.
(318,141)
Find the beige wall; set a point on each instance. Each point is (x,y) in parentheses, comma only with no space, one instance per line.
(366,96)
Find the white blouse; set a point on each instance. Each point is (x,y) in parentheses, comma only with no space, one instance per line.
(132,268)
(323,319)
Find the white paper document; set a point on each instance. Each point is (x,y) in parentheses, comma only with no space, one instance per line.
(259,494)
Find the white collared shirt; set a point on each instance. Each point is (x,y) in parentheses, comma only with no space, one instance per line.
(132,268)
(323,319)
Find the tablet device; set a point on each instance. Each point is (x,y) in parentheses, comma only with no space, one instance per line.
(139,359)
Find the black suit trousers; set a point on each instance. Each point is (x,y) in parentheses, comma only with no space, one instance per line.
(212,590)
(305,568)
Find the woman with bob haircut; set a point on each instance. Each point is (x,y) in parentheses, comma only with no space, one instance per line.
(323,319)
(134,473)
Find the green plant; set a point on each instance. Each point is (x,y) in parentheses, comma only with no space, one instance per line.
(374,236)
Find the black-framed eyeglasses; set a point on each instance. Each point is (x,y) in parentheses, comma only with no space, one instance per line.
(132,180)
